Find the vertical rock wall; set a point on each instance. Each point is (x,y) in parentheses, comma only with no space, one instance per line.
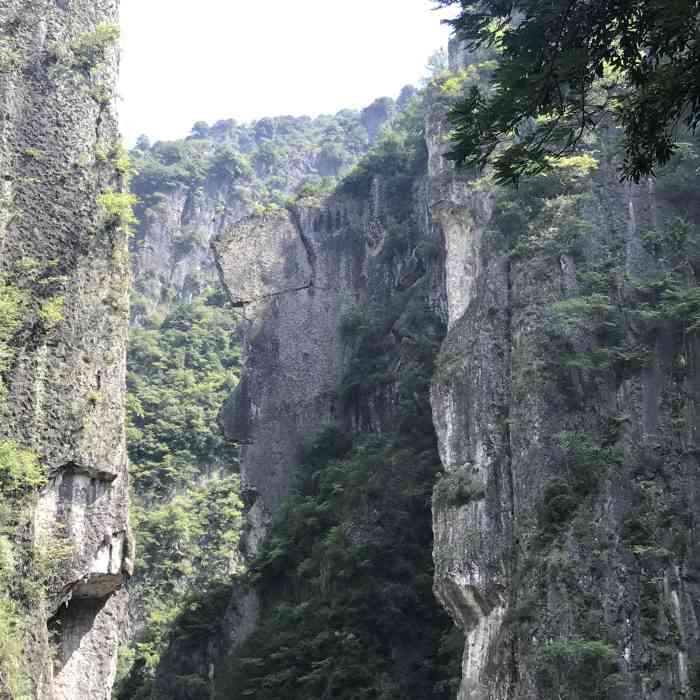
(566,543)
(296,275)
(65,377)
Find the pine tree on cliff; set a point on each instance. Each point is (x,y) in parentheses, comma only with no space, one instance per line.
(569,65)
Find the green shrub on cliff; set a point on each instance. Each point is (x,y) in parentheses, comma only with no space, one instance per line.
(12,301)
(20,471)
(577,669)
(14,678)
(90,48)
(119,208)
(21,475)
(10,56)
(227,162)
(51,312)
(12,305)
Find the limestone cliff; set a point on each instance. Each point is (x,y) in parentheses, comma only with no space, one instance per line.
(565,400)
(64,277)
(295,273)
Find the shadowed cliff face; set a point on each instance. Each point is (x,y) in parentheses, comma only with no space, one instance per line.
(295,274)
(340,296)
(64,376)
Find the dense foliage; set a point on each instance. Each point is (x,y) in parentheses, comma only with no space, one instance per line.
(346,575)
(263,162)
(181,369)
(551,56)
(577,670)
(186,509)
(398,154)
(21,582)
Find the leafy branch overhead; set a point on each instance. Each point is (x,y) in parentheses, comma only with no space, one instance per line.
(566,66)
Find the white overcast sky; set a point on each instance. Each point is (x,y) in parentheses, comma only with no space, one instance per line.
(185,61)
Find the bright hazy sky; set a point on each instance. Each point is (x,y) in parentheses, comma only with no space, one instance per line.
(185,61)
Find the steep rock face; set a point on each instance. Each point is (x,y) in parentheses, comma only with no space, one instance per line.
(295,273)
(64,376)
(565,541)
(359,264)
(173,261)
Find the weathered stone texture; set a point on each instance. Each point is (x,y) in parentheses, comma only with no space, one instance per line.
(499,403)
(295,274)
(172,260)
(66,383)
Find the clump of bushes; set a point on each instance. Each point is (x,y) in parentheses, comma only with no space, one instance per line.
(458,489)
(584,464)
(577,669)
(13,301)
(20,470)
(119,208)
(186,507)
(51,312)
(21,475)
(90,48)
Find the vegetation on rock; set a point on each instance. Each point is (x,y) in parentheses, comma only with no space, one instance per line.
(21,475)
(90,48)
(551,56)
(346,576)
(119,208)
(186,508)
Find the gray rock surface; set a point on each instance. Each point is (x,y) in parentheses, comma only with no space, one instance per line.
(66,380)
(295,273)
(499,404)
(163,273)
